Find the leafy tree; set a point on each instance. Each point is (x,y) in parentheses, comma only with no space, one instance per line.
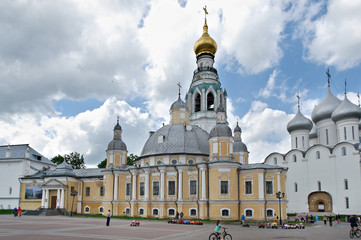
(131,159)
(75,160)
(57,159)
(102,164)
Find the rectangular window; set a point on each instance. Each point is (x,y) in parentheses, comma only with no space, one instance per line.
(155,188)
(319,185)
(224,187)
(141,188)
(269,187)
(346,184)
(353,133)
(347,202)
(193,187)
(87,191)
(296,187)
(344,132)
(248,187)
(327,137)
(127,189)
(101,191)
(171,187)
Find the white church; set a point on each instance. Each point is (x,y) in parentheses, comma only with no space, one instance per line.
(324,171)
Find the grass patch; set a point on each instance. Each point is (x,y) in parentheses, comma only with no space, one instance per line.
(6,211)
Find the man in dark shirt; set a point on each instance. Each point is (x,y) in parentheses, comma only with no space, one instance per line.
(353,221)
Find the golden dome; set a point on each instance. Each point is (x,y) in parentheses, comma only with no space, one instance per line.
(205,44)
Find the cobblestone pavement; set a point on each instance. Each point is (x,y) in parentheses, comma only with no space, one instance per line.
(77,228)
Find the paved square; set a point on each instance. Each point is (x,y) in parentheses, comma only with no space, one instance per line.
(76,228)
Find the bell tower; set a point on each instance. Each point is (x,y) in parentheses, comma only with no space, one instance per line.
(205,93)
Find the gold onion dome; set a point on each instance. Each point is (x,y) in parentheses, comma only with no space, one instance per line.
(205,44)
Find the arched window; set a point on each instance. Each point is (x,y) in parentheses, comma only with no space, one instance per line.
(353,132)
(87,209)
(296,187)
(344,132)
(275,160)
(327,137)
(249,213)
(127,211)
(197,103)
(225,212)
(190,162)
(303,142)
(192,212)
(270,213)
(171,212)
(343,151)
(159,162)
(296,142)
(210,101)
(141,211)
(174,162)
(294,158)
(101,209)
(155,211)
(346,184)
(319,185)
(318,155)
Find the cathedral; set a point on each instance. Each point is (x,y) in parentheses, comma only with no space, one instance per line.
(324,161)
(195,165)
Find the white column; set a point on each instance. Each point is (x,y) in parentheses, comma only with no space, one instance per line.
(278,182)
(204,197)
(260,186)
(180,185)
(46,198)
(58,199)
(116,187)
(134,189)
(162,184)
(146,196)
(43,199)
(62,198)
(80,194)
(203,101)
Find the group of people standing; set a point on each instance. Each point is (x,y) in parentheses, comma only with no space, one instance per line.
(330,219)
(17,212)
(179,215)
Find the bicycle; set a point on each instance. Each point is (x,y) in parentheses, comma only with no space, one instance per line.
(355,231)
(216,236)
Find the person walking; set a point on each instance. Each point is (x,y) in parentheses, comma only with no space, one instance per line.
(15,211)
(325,219)
(243,218)
(330,220)
(181,215)
(177,215)
(19,212)
(108,217)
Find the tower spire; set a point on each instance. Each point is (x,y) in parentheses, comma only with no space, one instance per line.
(179,87)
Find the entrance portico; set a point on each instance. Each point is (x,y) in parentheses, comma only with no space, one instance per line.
(49,188)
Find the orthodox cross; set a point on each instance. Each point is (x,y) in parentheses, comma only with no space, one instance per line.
(358,96)
(345,86)
(179,87)
(328,76)
(298,100)
(205,12)
(118,119)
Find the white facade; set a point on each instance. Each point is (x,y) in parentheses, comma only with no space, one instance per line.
(17,161)
(325,175)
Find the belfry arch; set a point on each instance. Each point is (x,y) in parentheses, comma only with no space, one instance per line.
(197,103)
(210,102)
(320,202)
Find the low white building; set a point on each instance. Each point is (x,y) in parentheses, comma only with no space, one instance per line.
(17,161)
(324,161)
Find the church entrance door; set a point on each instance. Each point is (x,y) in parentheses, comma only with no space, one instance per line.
(320,202)
(53,202)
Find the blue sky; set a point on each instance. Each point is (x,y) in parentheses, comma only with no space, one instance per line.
(69,68)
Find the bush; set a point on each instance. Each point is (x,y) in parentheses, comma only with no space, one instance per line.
(6,211)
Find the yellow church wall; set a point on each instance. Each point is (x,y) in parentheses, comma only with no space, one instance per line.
(253,177)
(28,204)
(245,158)
(108,183)
(218,174)
(215,211)
(94,207)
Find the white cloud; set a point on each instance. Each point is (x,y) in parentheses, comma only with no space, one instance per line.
(334,39)
(87,133)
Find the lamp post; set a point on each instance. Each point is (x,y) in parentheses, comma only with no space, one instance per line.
(72,193)
(280,195)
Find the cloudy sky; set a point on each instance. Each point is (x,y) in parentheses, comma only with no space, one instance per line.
(68,68)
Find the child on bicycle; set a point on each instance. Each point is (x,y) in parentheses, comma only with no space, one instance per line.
(218,229)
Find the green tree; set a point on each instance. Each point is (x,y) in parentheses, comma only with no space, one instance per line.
(131,159)
(102,164)
(75,160)
(57,159)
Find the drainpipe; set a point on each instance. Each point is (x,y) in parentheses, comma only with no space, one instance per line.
(176,204)
(239,202)
(113,189)
(82,196)
(198,191)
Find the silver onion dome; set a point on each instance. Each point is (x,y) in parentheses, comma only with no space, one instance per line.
(178,104)
(221,130)
(346,110)
(239,146)
(299,122)
(325,108)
